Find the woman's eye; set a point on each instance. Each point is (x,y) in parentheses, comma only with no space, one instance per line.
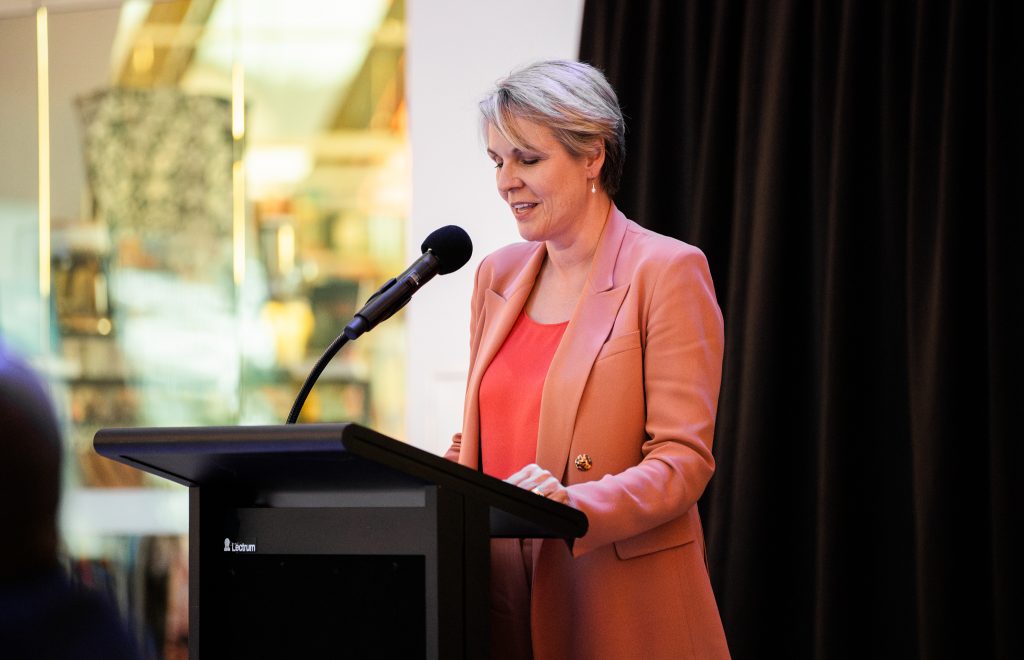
(497,164)
(530,161)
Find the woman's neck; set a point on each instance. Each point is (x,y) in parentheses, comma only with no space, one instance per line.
(567,257)
(566,266)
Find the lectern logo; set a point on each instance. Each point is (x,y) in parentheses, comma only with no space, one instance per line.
(229,546)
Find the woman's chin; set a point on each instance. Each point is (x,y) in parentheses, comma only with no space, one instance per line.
(526,231)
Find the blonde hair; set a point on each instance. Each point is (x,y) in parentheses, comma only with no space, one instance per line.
(573,99)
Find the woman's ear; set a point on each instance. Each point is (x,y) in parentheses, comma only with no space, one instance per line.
(594,161)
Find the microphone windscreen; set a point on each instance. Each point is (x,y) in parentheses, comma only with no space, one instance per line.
(451,245)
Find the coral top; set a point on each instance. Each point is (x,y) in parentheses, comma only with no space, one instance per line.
(510,395)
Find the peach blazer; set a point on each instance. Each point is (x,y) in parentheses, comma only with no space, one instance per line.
(634,385)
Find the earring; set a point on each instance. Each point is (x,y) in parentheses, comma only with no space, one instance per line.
(593,186)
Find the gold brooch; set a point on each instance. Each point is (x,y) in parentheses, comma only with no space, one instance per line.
(584,463)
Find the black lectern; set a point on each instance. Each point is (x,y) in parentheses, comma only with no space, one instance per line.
(334,541)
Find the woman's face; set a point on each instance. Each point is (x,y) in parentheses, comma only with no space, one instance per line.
(546,188)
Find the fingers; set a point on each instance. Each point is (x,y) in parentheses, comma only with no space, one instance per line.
(561,495)
(539,481)
(530,474)
(545,487)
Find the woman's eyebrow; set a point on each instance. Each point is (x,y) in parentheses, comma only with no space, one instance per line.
(516,151)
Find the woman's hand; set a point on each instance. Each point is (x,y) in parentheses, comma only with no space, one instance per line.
(536,479)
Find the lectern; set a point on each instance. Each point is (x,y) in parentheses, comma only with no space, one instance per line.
(334,541)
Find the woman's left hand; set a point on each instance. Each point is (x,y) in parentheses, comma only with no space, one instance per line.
(536,479)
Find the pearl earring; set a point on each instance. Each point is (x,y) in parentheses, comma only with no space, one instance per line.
(593,186)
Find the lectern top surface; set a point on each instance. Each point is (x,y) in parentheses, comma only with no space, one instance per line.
(321,457)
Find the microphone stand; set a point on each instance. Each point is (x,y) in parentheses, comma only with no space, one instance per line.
(321,364)
(318,369)
(451,240)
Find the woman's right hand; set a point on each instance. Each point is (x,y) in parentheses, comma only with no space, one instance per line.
(537,480)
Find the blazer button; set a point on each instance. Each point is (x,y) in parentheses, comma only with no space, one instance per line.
(583,462)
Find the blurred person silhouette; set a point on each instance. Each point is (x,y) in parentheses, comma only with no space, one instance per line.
(43,614)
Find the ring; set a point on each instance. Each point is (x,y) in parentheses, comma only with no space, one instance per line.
(536,490)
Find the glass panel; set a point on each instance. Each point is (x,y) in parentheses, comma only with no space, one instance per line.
(22,308)
(227,184)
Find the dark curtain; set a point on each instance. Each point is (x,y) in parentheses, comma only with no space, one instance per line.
(850,169)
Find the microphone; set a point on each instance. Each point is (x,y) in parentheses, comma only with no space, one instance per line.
(446,250)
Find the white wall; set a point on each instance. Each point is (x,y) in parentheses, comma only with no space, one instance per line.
(456,50)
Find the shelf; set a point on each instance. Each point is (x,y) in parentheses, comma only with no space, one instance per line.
(98,512)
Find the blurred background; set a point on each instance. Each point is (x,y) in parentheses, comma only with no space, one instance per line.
(196,196)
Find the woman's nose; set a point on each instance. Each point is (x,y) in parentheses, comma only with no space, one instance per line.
(507,179)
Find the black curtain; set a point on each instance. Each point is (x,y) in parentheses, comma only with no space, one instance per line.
(851,169)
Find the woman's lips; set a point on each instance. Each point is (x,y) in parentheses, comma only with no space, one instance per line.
(522,208)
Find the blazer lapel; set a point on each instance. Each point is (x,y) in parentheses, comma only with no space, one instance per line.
(587,331)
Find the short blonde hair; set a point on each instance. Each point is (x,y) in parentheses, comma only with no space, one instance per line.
(573,99)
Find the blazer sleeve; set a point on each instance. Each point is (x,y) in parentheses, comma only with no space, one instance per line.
(682,364)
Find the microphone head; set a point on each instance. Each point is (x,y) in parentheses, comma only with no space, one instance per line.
(452,247)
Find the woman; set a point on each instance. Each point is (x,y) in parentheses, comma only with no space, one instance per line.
(595,363)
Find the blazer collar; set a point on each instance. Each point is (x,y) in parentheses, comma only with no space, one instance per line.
(588,329)
(602,270)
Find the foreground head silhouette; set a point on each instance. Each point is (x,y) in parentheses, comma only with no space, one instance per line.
(42,613)
(30,468)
